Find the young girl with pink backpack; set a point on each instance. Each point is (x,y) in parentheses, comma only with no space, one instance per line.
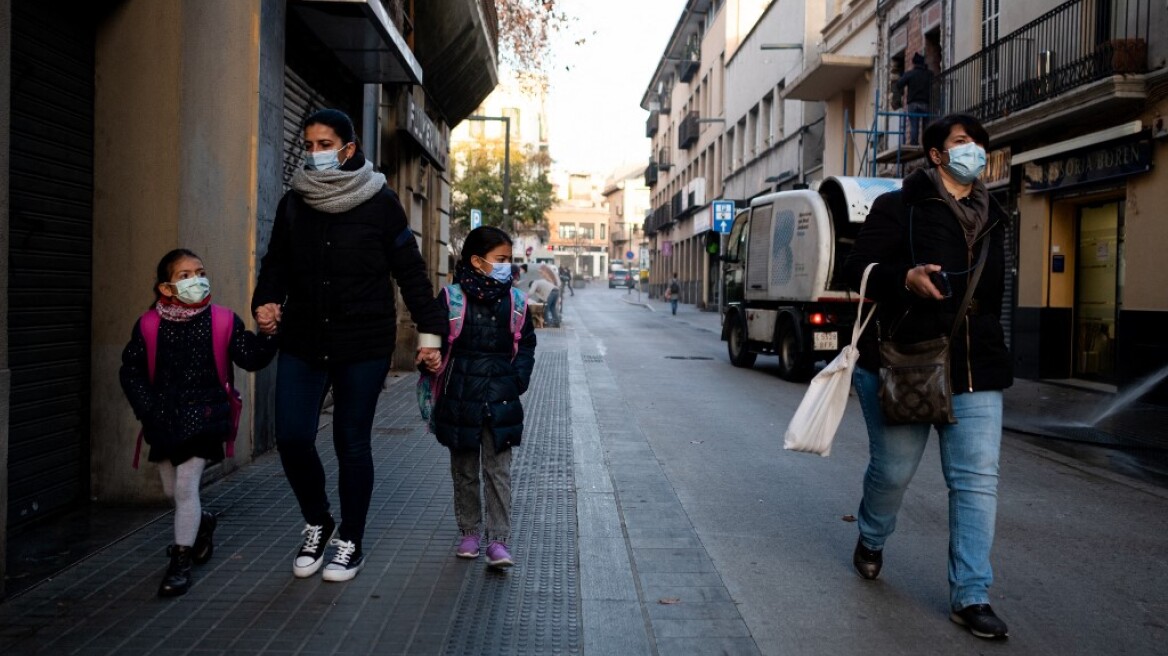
(176,372)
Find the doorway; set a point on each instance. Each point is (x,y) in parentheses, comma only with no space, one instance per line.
(1098,289)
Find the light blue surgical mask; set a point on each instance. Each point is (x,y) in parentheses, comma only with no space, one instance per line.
(324,160)
(966,162)
(192,291)
(501,271)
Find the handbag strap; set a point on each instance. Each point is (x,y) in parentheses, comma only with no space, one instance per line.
(973,280)
(858,326)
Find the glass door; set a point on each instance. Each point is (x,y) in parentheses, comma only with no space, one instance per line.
(1098,290)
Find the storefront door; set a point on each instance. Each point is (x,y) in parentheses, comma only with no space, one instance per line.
(1098,289)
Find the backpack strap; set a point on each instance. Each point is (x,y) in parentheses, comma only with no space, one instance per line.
(456,304)
(518,316)
(148,326)
(222,327)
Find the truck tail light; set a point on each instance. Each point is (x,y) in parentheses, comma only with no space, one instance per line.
(818,318)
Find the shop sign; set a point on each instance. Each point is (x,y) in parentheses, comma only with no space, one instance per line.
(426,134)
(1103,162)
(997,170)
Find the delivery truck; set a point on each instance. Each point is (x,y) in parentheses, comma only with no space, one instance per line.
(783,289)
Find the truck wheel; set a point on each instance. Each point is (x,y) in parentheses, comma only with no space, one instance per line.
(794,364)
(736,345)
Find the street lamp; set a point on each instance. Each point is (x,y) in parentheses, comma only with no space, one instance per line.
(507,220)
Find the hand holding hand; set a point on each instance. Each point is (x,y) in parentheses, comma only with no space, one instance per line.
(430,358)
(268,318)
(918,282)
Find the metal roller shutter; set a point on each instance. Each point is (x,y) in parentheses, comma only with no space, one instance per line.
(50,256)
(300,100)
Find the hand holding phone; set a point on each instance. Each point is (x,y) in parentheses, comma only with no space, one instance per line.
(940,280)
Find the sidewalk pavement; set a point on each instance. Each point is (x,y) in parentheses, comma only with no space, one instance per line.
(1070,419)
(412,597)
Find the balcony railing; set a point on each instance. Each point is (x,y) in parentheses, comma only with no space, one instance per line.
(651,123)
(1076,43)
(687,132)
(687,68)
(664,158)
(661,217)
(651,174)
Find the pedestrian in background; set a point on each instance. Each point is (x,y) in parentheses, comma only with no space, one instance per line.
(566,279)
(479,416)
(171,378)
(673,292)
(928,233)
(339,235)
(919,82)
(544,292)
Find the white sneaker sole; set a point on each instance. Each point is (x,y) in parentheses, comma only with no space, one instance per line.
(500,564)
(338,575)
(309,570)
(467,554)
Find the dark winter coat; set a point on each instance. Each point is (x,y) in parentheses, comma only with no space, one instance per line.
(332,274)
(185,412)
(979,359)
(919,80)
(485,382)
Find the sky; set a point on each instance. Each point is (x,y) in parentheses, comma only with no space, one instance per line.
(595,121)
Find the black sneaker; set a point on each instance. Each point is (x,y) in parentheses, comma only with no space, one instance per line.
(981,621)
(204,541)
(311,555)
(867,561)
(346,562)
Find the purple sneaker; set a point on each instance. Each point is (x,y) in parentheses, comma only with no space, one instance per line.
(468,547)
(498,556)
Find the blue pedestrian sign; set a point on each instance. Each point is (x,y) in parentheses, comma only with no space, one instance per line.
(476,219)
(723,216)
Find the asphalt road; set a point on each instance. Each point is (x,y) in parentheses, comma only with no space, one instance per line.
(1081,556)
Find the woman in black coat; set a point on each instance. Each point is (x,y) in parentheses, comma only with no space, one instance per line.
(925,239)
(339,236)
(478,415)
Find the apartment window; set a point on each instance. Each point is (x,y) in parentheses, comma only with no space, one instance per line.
(780,113)
(567,230)
(753,130)
(990,11)
(768,120)
(602,227)
(740,144)
(587,230)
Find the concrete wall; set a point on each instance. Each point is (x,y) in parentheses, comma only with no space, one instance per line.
(5,373)
(1146,231)
(175,164)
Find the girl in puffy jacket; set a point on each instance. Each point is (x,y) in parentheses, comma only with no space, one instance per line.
(185,411)
(479,416)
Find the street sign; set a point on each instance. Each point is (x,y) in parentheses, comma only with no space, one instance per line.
(723,215)
(476,219)
(630,255)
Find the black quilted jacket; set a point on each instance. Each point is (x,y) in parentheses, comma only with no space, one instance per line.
(485,382)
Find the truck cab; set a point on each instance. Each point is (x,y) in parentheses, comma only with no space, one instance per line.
(783,288)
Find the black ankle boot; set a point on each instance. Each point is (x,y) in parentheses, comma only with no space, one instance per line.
(177,579)
(204,547)
(866,561)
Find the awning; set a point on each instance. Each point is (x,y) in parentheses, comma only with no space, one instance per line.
(828,76)
(362,37)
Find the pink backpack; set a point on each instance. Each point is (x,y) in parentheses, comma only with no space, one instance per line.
(222,325)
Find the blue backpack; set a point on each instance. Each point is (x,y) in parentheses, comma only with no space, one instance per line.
(432,384)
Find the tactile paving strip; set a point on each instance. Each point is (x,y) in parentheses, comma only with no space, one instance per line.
(534,608)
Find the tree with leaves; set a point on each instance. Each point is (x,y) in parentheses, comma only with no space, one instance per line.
(478,184)
(525,31)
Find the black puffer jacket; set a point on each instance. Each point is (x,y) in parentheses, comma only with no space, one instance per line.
(332,274)
(485,382)
(979,359)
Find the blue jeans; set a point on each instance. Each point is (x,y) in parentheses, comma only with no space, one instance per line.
(300,390)
(969,461)
(552,309)
(673,304)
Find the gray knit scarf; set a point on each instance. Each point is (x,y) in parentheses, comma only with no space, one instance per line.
(335,191)
(973,211)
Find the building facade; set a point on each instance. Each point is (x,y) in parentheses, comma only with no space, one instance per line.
(627,200)
(578,226)
(132,127)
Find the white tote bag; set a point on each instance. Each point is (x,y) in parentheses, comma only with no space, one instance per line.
(813,427)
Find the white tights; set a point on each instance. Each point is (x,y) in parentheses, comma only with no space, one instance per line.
(181,484)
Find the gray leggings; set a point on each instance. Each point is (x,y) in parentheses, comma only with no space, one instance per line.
(181,484)
(496,484)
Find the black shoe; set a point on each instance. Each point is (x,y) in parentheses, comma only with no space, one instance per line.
(867,562)
(311,555)
(204,546)
(346,562)
(981,621)
(177,579)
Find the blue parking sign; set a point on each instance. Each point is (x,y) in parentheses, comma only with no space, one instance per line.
(476,219)
(723,216)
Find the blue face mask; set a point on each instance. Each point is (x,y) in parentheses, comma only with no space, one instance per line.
(501,271)
(966,162)
(323,160)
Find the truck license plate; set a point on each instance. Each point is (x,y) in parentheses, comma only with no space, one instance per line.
(826,341)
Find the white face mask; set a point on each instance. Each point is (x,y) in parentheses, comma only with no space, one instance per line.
(966,162)
(324,160)
(192,291)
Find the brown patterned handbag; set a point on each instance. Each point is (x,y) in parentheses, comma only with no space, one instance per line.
(915,386)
